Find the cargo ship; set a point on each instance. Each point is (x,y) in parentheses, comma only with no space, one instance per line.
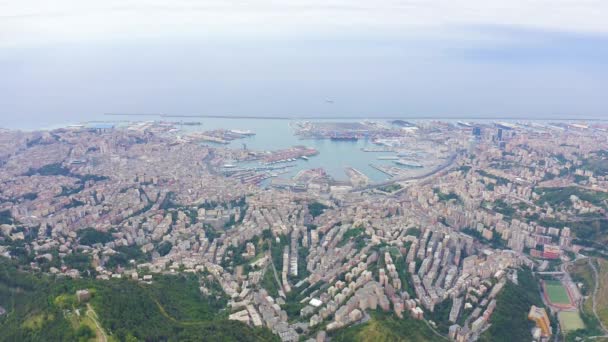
(343,138)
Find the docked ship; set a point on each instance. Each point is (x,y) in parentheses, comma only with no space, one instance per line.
(343,138)
(242,132)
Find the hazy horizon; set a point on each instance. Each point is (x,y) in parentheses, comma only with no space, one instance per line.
(70,62)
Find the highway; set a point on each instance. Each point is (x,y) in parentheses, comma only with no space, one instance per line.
(440,168)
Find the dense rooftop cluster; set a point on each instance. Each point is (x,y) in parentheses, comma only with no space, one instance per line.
(307,260)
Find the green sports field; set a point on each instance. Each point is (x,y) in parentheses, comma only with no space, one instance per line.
(570,320)
(556,292)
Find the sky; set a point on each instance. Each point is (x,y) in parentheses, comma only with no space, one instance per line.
(67,61)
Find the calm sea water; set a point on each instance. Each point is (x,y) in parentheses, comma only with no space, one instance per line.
(333,156)
(272,134)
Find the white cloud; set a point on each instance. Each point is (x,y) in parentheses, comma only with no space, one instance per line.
(33,22)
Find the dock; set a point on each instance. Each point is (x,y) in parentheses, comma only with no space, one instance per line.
(377,149)
(381,169)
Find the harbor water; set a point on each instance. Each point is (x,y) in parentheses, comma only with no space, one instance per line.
(275,134)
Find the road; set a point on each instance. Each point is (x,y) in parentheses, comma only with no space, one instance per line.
(434,331)
(92,315)
(441,167)
(593,297)
(596,277)
(274,270)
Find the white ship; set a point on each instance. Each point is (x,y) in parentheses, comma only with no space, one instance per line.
(242,132)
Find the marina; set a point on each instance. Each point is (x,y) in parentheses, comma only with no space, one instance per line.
(382,169)
(274,142)
(277,135)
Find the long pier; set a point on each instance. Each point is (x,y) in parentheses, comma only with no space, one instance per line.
(381,170)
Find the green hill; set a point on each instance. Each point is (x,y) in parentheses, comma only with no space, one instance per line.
(44,308)
(510,319)
(385,327)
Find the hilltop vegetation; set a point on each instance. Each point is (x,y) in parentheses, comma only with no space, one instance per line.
(597,163)
(560,197)
(6,217)
(510,319)
(170,309)
(592,232)
(385,327)
(590,229)
(316,208)
(602,293)
(90,236)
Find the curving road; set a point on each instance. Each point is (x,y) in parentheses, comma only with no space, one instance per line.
(441,167)
(594,298)
(92,315)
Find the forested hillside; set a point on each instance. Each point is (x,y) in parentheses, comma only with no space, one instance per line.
(44,308)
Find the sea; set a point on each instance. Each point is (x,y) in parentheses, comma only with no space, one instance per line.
(270,134)
(274,134)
